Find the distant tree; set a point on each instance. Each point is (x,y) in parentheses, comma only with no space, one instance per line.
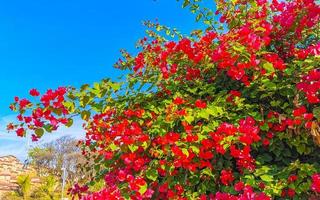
(51,157)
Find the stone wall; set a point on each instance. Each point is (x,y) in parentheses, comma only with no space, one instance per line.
(10,168)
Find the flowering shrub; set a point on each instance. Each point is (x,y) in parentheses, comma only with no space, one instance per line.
(220,114)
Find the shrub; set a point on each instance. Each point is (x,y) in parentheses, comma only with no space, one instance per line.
(219,114)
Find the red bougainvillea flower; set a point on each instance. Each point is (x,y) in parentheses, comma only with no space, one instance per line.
(10,127)
(239,186)
(111,193)
(23,103)
(315,186)
(77,190)
(292,178)
(232,95)
(226,177)
(178,101)
(308,116)
(265,142)
(34,138)
(34,92)
(20,132)
(262,185)
(284,193)
(299,111)
(310,86)
(291,192)
(200,104)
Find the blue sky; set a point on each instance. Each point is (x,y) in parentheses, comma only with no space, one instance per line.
(45,44)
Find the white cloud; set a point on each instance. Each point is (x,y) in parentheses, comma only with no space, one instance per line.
(10,144)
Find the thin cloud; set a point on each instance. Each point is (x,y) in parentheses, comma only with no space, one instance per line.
(10,144)
(17,149)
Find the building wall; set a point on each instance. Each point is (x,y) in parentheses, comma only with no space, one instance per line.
(10,168)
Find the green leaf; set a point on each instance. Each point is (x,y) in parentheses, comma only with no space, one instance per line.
(115,86)
(152,174)
(316,112)
(57,111)
(262,170)
(84,87)
(96,85)
(143,188)
(145,145)
(269,85)
(185,3)
(195,149)
(133,148)
(185,151)
(275,103)
(97,167)
(85,115)
(84,101)
(159,28)
(239,48)
(266,178)
(268,66)
(70,122)
(301,148)
(204,114)
(48,128)
(189,118)
(207,171)
(250,179)
(39,132)
(70,106)
(234,2)
(199,16)
(113,147)
(264,127)
(266,157)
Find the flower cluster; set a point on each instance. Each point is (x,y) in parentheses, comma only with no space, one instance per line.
(49,115)
(316,183)
(310,86)
(77,190)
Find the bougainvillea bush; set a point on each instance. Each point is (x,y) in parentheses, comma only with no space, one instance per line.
(229,112)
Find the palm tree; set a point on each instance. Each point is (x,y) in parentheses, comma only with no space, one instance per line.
(23,190)
(24,186)
(48,190)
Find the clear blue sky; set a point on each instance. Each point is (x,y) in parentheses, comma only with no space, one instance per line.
(50,43)
(45,43)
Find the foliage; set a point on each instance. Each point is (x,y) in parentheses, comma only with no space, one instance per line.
(23,191)
(11,196)
(229,113)
(51,157)
(48,190)
(24,185)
